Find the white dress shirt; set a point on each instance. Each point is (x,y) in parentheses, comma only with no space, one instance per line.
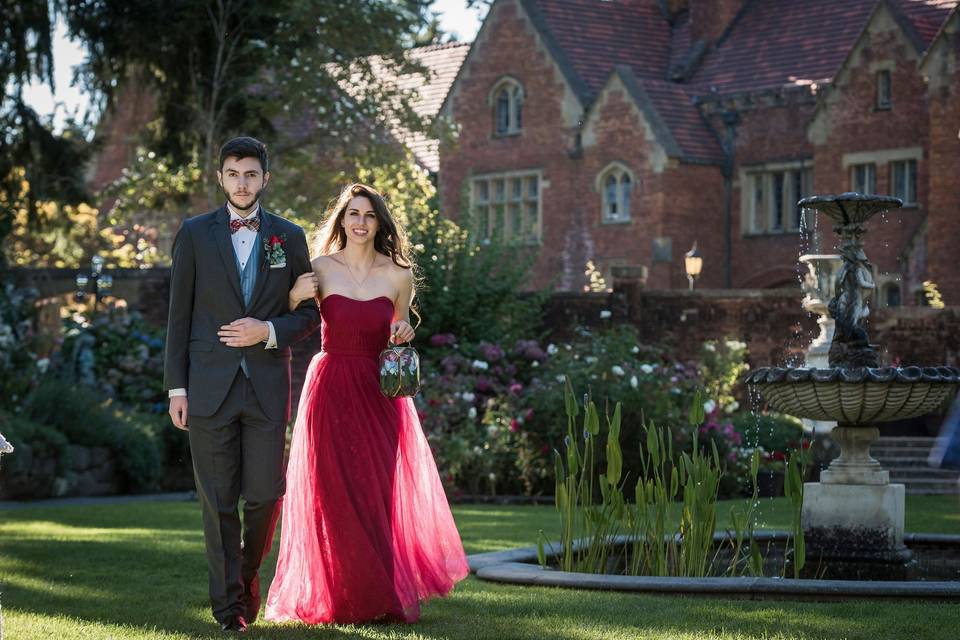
(244,240)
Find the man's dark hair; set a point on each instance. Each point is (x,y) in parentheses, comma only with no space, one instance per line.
(245,147)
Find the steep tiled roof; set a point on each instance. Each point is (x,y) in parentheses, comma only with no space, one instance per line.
(784,42)
(778,43)
(588,38)
(675,119)
(443,61)
(680,40)
(926,16)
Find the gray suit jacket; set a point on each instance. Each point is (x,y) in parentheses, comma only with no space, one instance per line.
(205,295)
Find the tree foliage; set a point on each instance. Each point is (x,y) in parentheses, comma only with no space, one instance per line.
(295,71)
(310,77)
(52,163)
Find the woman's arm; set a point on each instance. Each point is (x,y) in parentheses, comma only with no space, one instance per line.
(400,329)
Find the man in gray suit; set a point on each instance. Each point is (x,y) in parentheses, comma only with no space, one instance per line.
(228,355)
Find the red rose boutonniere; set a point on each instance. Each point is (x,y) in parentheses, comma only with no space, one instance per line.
(276,256)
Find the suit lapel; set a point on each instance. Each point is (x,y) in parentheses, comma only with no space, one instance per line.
(221,235)
(263,270)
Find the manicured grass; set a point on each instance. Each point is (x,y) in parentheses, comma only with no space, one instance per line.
(137,571)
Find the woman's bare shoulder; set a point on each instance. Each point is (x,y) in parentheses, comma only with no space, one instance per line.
(322,263)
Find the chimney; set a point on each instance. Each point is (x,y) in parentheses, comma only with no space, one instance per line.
(710,18)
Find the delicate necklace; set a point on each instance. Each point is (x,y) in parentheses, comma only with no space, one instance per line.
(354,278)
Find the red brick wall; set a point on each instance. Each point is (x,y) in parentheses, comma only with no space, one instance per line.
(508,47)
(770,130)
(662,203)
(771,322)
(943,223)
(849,122)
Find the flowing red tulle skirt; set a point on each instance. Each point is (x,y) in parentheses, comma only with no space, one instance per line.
(367,533)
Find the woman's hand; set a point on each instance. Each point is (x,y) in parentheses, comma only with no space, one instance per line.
(401,331)
(306,287)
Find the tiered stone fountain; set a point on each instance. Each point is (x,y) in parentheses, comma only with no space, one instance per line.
(853,518)
(818,290)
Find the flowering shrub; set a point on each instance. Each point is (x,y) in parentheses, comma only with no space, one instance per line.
(473,413)
(119,354)
(494,413)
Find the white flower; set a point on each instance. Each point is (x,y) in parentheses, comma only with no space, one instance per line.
(534,364)
(733,406)
(492,431)
(646,368)
(472,413)
(561,378)
(468,396)
(736,345)
(709,406)
(477,450)
(635,349)
(634,382)
(617,370)
(590,359)
(567,347)
(42,364)
(492,476)
(709,346)
(675,391)
(552,349)
(605,313)
(481,365)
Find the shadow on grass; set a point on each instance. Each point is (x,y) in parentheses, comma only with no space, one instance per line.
(142,568)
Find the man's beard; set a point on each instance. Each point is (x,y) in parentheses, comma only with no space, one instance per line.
(238,207)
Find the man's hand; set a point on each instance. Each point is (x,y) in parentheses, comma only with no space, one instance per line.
(244,332)
(178,412)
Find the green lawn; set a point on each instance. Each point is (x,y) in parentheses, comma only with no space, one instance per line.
(137,571)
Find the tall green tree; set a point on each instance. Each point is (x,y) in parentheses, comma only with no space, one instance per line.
(31,153)
(297,72)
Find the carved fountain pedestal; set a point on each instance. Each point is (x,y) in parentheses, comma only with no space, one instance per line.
(853,519)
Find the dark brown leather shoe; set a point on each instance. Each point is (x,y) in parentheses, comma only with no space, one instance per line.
(236,624)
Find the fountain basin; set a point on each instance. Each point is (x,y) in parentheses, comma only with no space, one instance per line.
(855,396)
(937,556)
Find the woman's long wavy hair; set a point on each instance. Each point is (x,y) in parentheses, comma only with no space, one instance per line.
(390,240)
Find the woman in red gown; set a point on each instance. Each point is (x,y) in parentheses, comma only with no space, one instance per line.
(367,533)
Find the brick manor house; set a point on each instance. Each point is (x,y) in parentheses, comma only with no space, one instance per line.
(625,131)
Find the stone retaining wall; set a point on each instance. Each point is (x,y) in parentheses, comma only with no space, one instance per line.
(90,471)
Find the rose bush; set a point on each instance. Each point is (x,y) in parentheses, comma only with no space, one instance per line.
(495,413)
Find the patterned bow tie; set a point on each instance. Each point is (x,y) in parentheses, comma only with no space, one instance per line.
(253,224)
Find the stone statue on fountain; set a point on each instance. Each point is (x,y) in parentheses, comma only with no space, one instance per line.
(850,308)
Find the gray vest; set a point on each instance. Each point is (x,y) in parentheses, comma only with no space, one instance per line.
(248,278)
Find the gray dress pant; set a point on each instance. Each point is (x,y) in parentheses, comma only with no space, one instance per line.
(237,452)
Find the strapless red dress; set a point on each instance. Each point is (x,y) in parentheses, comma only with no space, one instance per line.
(367,533)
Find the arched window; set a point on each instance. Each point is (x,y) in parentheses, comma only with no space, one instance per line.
(615,185)
(507,100)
